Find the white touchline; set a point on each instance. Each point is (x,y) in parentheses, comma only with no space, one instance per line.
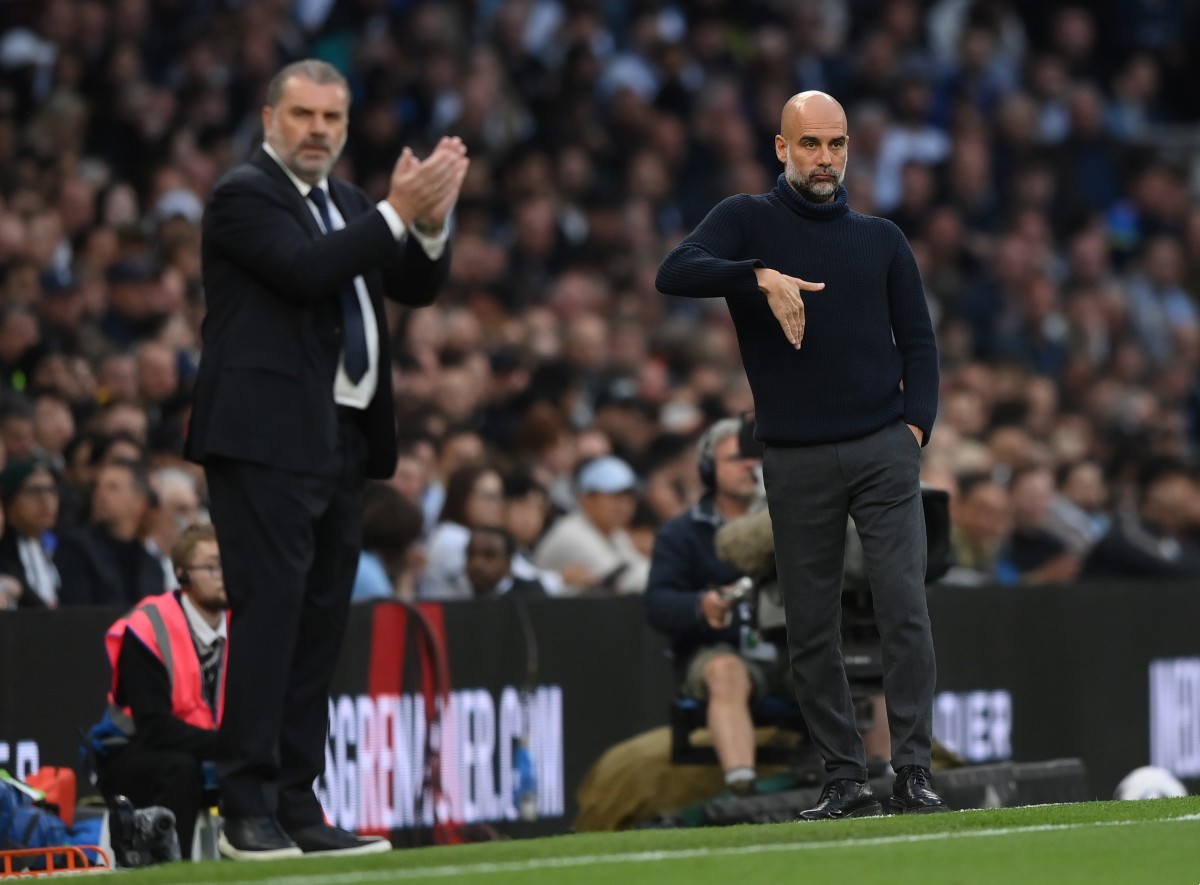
(526,866)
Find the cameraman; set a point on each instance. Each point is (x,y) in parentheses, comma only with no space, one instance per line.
(168,663)
(689,597)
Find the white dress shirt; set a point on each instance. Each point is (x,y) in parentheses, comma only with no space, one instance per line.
(346,392)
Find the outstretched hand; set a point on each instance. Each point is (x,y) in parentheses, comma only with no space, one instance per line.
(785,300)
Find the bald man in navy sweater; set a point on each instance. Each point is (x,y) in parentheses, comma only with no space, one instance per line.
(839,351)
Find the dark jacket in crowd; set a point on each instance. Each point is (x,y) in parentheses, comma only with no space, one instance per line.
(1135,549)
(98,569)
(683,566)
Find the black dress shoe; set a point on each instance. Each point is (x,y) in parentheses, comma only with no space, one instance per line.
(255,838)
(841,798)
(321,839)
(912,793)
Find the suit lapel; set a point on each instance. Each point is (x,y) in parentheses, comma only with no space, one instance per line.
(295,202)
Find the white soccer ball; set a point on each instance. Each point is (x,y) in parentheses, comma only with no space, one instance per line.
(1149,782)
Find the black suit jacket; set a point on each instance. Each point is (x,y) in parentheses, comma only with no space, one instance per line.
(272,335)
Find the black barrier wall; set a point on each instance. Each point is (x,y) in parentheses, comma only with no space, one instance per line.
(1109,674)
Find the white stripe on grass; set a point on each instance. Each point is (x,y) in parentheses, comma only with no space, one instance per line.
(526,866)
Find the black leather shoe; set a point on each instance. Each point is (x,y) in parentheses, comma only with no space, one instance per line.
(322,839)
(841,798)
(255,838)
(913,794)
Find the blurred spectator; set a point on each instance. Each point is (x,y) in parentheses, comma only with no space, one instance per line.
(1152,539)
(982,523)
(175,505)
(490,552)
(1079,512)
(474,497)
(16,428)
(30,496)
(105,562)
(458,447)
(595,537)
(527,512)
(391,526)
(1032,554)
(53,426)
(411,477)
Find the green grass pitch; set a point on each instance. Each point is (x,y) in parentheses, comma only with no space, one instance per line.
(1152,842)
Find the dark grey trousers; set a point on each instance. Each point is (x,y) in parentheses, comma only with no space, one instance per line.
(810,492)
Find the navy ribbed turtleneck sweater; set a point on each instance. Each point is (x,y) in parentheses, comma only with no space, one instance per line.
(868,355)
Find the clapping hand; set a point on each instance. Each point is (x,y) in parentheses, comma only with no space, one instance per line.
(424,191)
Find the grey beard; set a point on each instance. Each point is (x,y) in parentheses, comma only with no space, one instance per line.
(821,192)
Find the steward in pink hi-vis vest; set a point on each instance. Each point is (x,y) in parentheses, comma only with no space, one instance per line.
(160,624)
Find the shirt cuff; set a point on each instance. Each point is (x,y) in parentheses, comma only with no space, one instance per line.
(393,219)
(434,245)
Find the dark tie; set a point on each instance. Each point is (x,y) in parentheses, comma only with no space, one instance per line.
(354,338)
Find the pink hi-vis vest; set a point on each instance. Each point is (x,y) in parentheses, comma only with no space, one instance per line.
(161,625)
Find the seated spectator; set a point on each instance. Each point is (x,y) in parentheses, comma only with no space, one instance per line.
(596,535)
(176,506)
(982,522)
(1153,540)
(1033,554)
(1079,512)
(391,525)
(30,494)
(474,496)
(105,563)
(490,552)
(688,597)
(527,508)
(165,702)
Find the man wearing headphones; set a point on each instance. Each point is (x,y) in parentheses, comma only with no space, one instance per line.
(688,598)
(167,692)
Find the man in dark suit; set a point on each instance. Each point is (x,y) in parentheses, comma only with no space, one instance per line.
(105,562)
(293,410)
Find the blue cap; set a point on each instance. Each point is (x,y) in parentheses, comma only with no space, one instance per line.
(608,475)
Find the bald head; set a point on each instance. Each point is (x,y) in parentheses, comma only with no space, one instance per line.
(811,108)
(813,145)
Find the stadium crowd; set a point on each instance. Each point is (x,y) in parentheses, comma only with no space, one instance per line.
(1035,155)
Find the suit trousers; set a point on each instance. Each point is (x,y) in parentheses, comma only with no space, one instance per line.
(811,490)
(289,549)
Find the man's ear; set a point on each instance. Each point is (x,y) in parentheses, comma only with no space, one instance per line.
(781,148)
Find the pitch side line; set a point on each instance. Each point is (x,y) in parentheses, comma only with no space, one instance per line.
(526,866)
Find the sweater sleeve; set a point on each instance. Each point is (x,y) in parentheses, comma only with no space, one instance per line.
(703,265)
(913,331)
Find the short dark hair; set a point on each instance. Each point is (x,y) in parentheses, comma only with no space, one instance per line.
(312,69)
(391,523)
(139,476)
(510,543)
